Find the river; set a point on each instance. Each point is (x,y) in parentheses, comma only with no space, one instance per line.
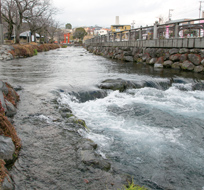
(155,134)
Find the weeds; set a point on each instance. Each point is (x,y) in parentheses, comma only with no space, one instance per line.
(132,186)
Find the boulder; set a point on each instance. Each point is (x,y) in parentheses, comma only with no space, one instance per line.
(175,65)
(11,110)
(174,57)
(167,63)
(7,148)
(197,51)
(183,51)
(128,58)
(127,53)
(160,60)
(194,58)
(198,69)
(152,61)
(173,51)
(114,84)
(166,56)
(160,52)
(202,62)
(158,65)
(187,65)
(183,57)
(202,53)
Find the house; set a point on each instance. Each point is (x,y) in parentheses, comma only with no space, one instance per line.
(26,37)
(119,28)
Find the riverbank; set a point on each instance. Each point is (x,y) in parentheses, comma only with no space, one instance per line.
(174,58)
(9,52)
(10,143)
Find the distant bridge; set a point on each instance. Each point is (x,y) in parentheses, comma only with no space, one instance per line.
(181,34)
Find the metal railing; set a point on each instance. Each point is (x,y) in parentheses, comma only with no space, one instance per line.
(170,30)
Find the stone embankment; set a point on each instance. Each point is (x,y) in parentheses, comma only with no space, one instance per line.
(9,52)
(183,59)
(10,144)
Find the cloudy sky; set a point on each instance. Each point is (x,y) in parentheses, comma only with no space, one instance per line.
(144,12)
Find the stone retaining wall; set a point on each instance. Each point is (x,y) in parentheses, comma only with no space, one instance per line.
(175,58)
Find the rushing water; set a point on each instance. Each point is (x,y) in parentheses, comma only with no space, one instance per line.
(155,133)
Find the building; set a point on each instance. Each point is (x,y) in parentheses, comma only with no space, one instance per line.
(119,28)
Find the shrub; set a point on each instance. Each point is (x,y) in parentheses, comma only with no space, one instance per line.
(63,46)
(35,52)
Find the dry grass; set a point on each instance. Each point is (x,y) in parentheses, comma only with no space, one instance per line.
(3,170)
(12,95)
(29,50)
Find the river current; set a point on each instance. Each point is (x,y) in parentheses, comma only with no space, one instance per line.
(155,134)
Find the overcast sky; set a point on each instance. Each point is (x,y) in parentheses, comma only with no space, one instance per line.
(103,13)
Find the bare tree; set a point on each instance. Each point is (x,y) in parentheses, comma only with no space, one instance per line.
(22,7)
(39,16)
(52,29)
(9,15)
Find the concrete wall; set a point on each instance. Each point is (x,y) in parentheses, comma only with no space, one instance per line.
(167,43)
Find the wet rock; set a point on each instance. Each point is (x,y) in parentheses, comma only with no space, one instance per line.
(11,110)
(77,122)
(128,58)
(65,112)
(198,86)
(158,65)
(90,158)
(119,84)
(152,61)
(198,69)
(194,58)
(7,148)
(167,63)
(84,96)
(173,51)
(175,65)
(187,65)
(114,84)
(7,184)
(87,144)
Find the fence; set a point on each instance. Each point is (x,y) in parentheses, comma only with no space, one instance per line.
(184,33)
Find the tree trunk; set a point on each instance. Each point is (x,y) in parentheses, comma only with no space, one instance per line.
(18,34)
(10,30)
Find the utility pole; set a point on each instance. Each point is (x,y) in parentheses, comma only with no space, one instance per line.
(200,7)
(1,28)
(170,15)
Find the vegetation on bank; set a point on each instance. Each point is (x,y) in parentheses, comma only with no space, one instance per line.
(7,129)
(29,50)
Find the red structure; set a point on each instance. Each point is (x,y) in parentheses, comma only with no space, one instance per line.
(66,38)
